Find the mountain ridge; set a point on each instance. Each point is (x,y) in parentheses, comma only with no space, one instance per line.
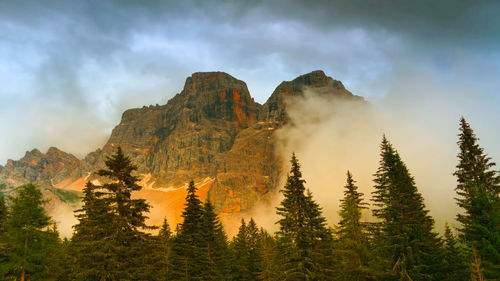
(213,132)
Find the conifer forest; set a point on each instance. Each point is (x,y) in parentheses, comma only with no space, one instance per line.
(112,240)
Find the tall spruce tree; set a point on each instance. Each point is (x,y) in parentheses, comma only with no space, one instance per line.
(30,243)
(129,215)
(110,233)
(90,250)
(268,256)
(410,244)
(303,236)
(353,242)
(189,250)
(455,262)
(478,191)
(246,259)
(320,239)
(216,244)
(164,249)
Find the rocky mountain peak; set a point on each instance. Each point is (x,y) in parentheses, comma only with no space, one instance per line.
(31,154)
(218,95)
(212,81)
(212,132)
(316,82)
(49,168)
(315,78)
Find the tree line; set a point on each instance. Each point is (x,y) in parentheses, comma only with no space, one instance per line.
(113,242)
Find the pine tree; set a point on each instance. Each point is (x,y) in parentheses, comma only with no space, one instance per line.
(189,250)
(455,264)
(129,215)
(216,244)
(476,269)
(110,234)
(90,250)
(409,242)
(303,237)
(239,249)
(246,258)
(478,192)
(30,243)
(320,239)
(352,235)
(56,256)
(268,256)
(254,255)
(164,250)
(67,262)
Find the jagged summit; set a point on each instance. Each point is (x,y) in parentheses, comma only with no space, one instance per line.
(45,168)
(208,81)
(313,78)
(316,81)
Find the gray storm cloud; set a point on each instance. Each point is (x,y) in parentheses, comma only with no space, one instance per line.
(68,69)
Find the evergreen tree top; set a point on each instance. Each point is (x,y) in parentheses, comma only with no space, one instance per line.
(474,169)
(165,231)
(449,238)
(192,213)
(211,221)
(119,169)
(27,208)
(295,168)
(192,199)
(351,192)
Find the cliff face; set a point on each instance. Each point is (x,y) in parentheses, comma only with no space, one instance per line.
(212,132)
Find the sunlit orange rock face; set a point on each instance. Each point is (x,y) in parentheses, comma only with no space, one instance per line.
(212,132)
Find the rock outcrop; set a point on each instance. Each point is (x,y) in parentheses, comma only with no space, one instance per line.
(51,168)
(212,132)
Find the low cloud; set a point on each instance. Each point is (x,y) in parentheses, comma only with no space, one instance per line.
(419,117)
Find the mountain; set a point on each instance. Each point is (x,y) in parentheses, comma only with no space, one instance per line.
(212,132)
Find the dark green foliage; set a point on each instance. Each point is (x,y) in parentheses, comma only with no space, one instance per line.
(352,237)
(30,245)
(189,250)
(108,243)
(200,250)
(320,239)
(455,263)
(408,240)
(163,250)
(215,243)
(246,255)
(303,239)
(478,195)
(90,249)
(268,256)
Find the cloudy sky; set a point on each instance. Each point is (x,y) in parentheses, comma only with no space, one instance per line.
(68,69)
